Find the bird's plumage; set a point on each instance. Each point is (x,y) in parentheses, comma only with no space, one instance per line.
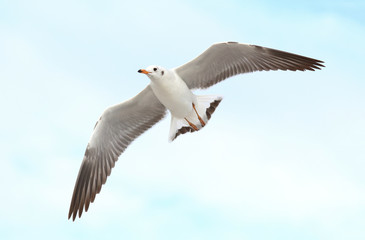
(223,60)
(119,125)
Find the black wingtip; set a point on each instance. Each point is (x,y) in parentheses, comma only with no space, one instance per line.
(69,213)
(321,65)
(73,216)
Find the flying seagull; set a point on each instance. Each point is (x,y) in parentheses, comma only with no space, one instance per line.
(170,89)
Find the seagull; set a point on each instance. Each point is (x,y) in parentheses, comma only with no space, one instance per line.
(171,89)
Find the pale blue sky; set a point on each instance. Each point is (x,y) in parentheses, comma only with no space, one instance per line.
(282,158)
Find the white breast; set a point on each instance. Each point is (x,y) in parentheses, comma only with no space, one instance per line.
(173,93)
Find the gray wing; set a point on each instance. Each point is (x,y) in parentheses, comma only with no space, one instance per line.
(118,126)
(223,60)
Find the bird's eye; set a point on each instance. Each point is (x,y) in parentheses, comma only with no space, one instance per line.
(155,69)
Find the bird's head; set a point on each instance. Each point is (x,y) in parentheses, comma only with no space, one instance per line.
(154,72)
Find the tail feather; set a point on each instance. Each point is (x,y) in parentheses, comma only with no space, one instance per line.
(212,107)
(205,107)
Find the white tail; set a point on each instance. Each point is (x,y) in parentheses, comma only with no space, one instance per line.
(205,107)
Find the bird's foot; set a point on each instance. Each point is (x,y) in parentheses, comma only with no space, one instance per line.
(192,125)
(200,119)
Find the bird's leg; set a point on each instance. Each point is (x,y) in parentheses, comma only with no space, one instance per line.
(200,119)
(192,125)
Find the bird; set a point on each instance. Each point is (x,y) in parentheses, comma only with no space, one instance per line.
(170,90)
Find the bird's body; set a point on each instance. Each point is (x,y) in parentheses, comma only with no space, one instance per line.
(171,89)
(173,93)
(188,111)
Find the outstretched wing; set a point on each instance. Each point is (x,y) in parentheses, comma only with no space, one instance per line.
(118,126)
(223,60)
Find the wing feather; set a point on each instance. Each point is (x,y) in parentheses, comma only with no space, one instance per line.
(118,126)
(223,60)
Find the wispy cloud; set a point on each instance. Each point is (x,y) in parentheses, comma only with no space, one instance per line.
(282,153)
